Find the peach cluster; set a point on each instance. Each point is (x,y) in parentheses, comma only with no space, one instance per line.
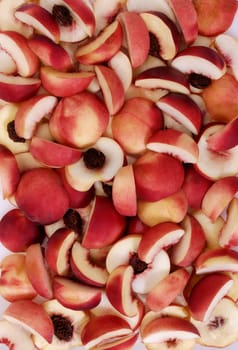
(119,156)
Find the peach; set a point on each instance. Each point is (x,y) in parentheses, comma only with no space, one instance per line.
(68,124)
(31,316)
(103,47)
(125,203)
(227,45)
(167,289)
(150,94)
(8,66)
(17,232)
(111,87)
(157,176)
(37,188)
(214,17)
(16,45)
(228,234)
(183,109)
(183,10)
(190,245)
(15,336)
(217,260)
(50,53)
(62,84)
(9,172)
(14,282)
(164,30)
(58,249)
(85,269)
(53,154)
(104,12)
(179,144)
(37,271)
(16,88)
(206,293)
(121,64)
(100,232)
(40,19)
(26,161)
(31,112)
(136,36)
(172,208)
(218,196)
(75,295)
(225,138)
(118,290)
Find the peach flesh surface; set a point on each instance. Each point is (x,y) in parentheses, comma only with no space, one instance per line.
(46,200)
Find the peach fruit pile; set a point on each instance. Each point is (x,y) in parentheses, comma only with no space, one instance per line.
(119,155)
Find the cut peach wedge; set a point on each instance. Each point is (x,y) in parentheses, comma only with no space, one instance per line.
(165,31)
(32,317)
(37,271)
(31,112)
(228,236)
(225,138)
(150,5)
(136,36)
(40,19)
(62,84)
(206,293)
(75,295)
(14,334)
(179,144)
(8,66)
(118,290)
(53,154)
(227,45)
(121,64)
(9,172)
(102,47)
(104,12)
(217,260)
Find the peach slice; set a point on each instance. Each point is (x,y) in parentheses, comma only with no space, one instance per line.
(227,45)
(12,225)
(150,94)
(74,295)
(150,5)
(217,260)
(158,237)
(179,144)
(214,17)
(53,154)
(118,290)
(14,282)
(102,47)
(84,269)
(218,196)
(57,250)
(13,335)
(166,290)
(201,60)
(99,231)
(228,236)
(32,317)
(206,293)
(17,89)
(31,112)
(9,172)
(37,271)
(183,10)
(111,87)
(226,138)
(183,109)
(40,19)
(163,77)
(98,163)
(220,328)
(104,329)
(8,66)
(165,31)
(104,12)
(171,208)
(220,94)
(17,47)
(62,84)
(215,165)
(50,53)
(121,64)
(165,328)
(125,203)
(150,179)
(136,36)
(190,245)
(195,186)
(37,188)
(68,124)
